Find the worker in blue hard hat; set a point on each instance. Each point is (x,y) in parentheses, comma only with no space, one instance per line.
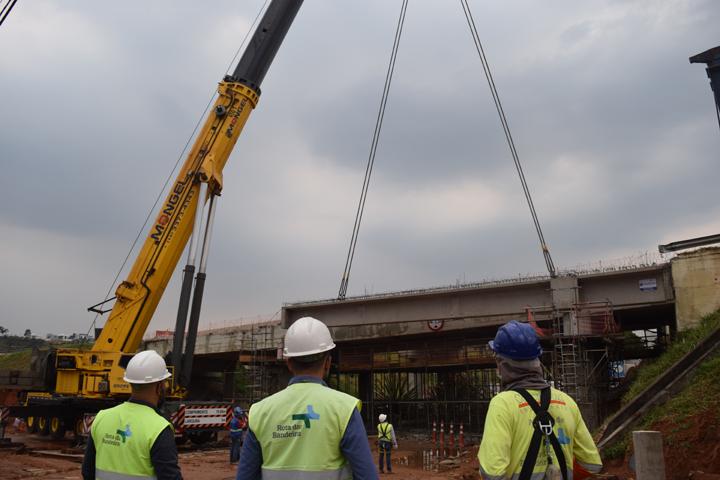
(238,425)
(532,430)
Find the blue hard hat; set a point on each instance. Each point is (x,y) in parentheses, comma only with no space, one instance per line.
(516,341)
(238,411)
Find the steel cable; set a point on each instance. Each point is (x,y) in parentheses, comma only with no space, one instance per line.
(373,150)
(177,162)
(508,136)
(6,10)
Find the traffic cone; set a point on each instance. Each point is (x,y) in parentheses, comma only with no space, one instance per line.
(442,438)
(452,437)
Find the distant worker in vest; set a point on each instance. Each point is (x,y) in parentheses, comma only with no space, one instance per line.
(132,440)
(386,442)
(308,430)
(532,431)
(238,425)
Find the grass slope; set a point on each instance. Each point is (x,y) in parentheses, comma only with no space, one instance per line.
(684,342)
(700,397)
(16,360)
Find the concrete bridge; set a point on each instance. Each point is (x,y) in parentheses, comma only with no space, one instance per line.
(637,296)
(675,294)
(423,354)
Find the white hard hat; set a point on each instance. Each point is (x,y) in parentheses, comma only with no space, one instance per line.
(146,367)
(382,417)
(307,336)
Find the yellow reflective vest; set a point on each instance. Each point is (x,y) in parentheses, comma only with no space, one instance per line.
(509,429)
(123,437)
(299,430)
(385,432)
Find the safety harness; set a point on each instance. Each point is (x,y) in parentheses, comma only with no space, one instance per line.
(543,424)
(384,432)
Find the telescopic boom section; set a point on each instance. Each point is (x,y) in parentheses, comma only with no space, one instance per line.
(138,296)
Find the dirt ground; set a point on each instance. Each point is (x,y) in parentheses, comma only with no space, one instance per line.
(683,461)
(691,448)
(34,461)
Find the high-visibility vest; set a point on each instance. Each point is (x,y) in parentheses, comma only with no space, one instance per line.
(509,429)
(123,437)
(299,430)
(385,432)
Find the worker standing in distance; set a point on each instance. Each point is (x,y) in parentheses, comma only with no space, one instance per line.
(237,428)
(308,430)
(132,440)
(386,441)
(532,431)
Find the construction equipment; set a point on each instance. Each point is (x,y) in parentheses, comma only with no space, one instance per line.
(81,382)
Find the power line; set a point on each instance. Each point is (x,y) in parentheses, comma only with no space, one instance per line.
(508,136)
(373,150)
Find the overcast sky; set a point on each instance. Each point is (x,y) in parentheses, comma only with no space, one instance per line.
(616,131)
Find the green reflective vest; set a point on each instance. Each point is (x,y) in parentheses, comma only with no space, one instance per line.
(299,430)
(508,431)
(123,436)
(385,432)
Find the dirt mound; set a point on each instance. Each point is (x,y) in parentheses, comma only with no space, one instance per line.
(693,444)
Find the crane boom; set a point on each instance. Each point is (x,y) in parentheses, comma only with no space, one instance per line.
(99,371)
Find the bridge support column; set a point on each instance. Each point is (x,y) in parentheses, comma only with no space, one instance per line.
(564,294)
(696,279)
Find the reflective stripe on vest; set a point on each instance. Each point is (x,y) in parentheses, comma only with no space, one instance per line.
(341,474)
(300,428)
(105,475)
(123,437)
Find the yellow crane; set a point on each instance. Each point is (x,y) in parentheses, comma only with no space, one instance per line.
(85,381)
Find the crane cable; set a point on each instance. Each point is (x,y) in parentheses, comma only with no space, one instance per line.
(6,10)
(177,162)
(506,128)
(371,157)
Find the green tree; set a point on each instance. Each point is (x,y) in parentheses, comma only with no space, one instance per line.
(3,331)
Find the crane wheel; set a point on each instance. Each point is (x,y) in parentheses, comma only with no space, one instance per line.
(43,425)
(78,427)
(32,424)
(57,428)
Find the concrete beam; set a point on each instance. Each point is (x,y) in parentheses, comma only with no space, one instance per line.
(497,301)
(486,304)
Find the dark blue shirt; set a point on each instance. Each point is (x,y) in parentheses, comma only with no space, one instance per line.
(236,428)
(354,447)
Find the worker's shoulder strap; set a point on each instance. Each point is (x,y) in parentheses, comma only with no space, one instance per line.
(384,431)
(543,425)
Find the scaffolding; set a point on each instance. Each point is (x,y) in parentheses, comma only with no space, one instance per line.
(451,376)
(420,381)
(256,372)
(261,341)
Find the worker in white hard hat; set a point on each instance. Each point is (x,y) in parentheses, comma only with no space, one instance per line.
(132,441)
(307,430)
(386,442)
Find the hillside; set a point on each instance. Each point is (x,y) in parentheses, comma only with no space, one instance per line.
(16,360)
(12,343)
(689,421)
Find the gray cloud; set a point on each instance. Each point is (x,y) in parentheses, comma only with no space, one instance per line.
(615,128)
